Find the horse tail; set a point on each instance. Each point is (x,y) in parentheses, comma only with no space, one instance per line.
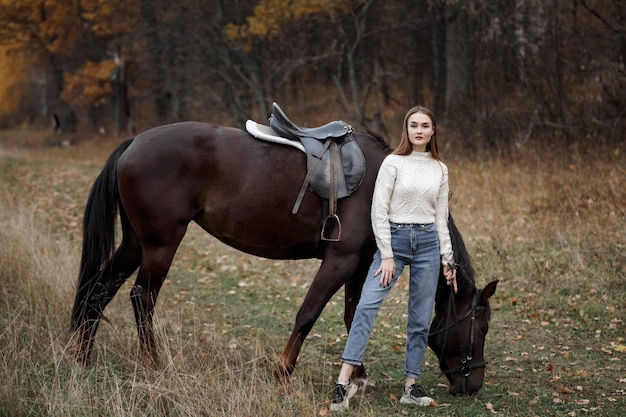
(461,255)
(99,219)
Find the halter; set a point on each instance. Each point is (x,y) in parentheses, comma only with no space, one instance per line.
(466,366)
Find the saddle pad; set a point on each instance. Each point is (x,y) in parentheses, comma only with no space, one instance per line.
(266,133)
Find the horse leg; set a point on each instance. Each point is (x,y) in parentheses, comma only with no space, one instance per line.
(124,262)
(332,274)
(155,264)
(352,296)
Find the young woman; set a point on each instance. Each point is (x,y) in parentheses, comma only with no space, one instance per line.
(410,223)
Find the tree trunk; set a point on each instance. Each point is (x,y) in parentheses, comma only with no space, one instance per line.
(157,95)
(439,58)
(458,63)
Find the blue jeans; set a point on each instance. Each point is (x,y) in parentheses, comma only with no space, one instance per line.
(417,246)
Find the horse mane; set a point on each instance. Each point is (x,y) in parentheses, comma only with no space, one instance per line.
(465,273)
(461,255)
(379,138)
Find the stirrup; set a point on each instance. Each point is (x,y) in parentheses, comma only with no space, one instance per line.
(329,218)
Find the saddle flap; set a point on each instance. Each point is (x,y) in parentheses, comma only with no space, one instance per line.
(350,169)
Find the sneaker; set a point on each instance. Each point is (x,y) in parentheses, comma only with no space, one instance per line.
(341,396)
(415,395)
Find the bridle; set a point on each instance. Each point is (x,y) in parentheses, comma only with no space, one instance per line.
(465,369)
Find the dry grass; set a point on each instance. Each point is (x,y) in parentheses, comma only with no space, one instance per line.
(547,221)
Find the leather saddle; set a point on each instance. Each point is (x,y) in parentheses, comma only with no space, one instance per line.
(335,162)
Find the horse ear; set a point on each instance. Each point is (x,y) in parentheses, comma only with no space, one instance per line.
(487,292)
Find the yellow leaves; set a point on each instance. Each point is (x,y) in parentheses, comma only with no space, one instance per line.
(271,15)
(90,85)
(614,347)
(59,24)
(39,24)
(57,27)
(110,18)
(13,73)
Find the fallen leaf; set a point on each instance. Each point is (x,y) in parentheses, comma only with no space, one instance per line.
(393,397)
(563,390)
(489,407)
(620,348)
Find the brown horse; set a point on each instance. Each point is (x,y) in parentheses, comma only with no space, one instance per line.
(240,190)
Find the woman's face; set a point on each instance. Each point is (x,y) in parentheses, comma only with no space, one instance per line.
(420,130)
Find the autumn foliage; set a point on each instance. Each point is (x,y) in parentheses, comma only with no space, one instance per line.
(270,16)
(497,73)
(89,85)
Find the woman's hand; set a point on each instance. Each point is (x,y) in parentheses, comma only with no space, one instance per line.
(450,274)
(387,270)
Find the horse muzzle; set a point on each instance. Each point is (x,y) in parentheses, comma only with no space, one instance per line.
(467,380)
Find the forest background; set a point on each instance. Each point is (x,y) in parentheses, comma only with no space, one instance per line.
(496,72)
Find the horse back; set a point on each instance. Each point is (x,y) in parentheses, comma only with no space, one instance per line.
(239,189)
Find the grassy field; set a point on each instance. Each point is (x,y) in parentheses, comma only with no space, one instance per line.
(547,222)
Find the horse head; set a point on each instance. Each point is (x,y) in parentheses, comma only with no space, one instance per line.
(459,328)
(458,333)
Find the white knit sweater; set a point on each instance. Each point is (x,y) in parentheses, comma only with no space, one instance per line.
(411,189)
